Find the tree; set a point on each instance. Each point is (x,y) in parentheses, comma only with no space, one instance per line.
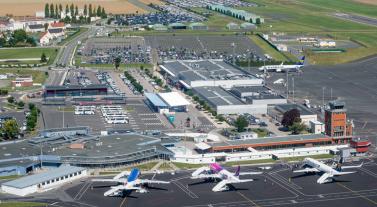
(290,117)
(297,127)
(72,10)
(52,12)
(66,9)
(85,10)
(47,11)
(43,58)
(21,104)
(99,10)
(76,11)
(241,123)
(10,99)
(117,61)
(60,9)
(2,42)
(57,14)
(10,129)
(103,13)
(19,35)
(46,26)
(90,10)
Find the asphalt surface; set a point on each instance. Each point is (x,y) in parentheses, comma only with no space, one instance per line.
(275,187)
(354,83)
(357,18)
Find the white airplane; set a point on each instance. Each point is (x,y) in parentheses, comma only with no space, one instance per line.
(311,165)
(132,182)
(282,67)
(215,171)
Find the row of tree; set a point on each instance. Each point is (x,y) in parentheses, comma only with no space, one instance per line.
(73,11)
(18,38)
(134,82)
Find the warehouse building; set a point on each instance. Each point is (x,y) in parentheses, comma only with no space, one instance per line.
(198,26)
(248,26)
(236,13)
(159,27)
(232,26)
(213,72)
(43,181)
(239,100)
(177,25)
(306,115)
(167,102)
(75,90)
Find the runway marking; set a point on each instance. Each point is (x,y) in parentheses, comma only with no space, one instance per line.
(123,202)
(372,201)
(248,199)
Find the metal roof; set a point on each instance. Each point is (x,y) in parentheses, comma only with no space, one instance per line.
(286,107)
(155,99)
(75,87)
(217,96)
(270,140)
(173,99)
(42,177)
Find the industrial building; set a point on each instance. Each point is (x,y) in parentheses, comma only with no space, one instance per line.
(167,102)
(232,26)
(239,99)
(236,13)
(43,181)
(306,115)
(213,72)
(75,90)
(69,131)
(248,26)
(198,26)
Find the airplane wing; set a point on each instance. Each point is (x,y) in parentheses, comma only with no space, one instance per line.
(221,186)
(250,173)
(324,178)
(202,176)
(122,174)
(115,190)
(110,180)
(146,181)
(350,167)
(343,173)
(306,170)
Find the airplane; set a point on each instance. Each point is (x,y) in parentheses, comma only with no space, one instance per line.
(282,67)
(132,182)
(215,171)
(311,165)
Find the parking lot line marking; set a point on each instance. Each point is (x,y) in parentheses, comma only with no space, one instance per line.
(372,201)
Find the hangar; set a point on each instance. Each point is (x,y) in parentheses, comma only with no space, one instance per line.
(167,102)
(213,72)
(239,99)
(43,181)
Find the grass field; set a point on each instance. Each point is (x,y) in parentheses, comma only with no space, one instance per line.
(29,7)
(276,55)
(20,53)
(21,204)
(38,76)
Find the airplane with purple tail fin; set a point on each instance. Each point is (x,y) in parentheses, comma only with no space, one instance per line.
(215,171)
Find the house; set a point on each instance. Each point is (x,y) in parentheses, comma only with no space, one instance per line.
(23,81)
(57,25)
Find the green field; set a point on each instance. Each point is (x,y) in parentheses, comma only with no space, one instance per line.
(20,53)
(21,204)
(38,76)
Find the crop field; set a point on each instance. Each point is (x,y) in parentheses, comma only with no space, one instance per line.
(29,7)
(372,2)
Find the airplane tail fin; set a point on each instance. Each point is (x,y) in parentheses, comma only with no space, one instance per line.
(302,61)
(237,173)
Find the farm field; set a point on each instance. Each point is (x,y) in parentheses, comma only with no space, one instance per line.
(38,76)
(29,7)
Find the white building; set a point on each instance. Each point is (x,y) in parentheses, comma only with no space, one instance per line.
(316,127)
(43,181)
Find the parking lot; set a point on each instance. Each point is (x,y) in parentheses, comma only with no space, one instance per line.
(105,50)
(204,46)
(204,3)
(275,187)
